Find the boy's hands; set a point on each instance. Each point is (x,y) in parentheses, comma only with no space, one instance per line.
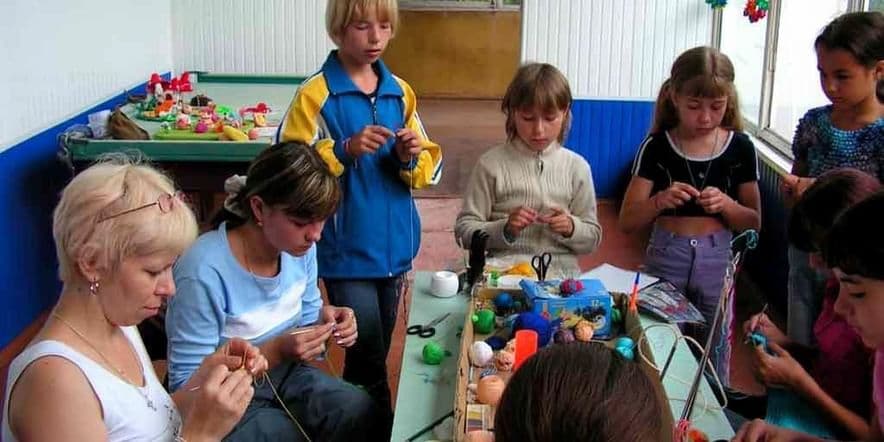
(368,140)
(408,144)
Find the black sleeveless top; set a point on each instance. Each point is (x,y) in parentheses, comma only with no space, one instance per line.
(659,160)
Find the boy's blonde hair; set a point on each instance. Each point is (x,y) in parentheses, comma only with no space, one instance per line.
(698,72)
(537,85)
(340,13)
(114,184)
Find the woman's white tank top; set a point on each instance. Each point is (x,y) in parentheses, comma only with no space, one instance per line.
(130,412)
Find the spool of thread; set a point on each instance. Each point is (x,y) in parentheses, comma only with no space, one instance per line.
(526,346)
(444,284)
(483,321)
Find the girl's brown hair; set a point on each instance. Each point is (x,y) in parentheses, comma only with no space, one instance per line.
(862,35)
(290,176)
(699,72)
(578,392)
(537,85)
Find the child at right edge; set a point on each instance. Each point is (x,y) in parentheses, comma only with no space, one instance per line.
(847,133)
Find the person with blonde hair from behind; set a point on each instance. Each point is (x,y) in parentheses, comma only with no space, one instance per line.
(118,229)
(531,194)
(363,121)
(695,180)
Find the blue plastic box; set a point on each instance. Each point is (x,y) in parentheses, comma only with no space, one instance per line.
(593,303)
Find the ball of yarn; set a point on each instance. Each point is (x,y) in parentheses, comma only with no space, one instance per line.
(503,301)
(624,341)
(483,321)
(490,389)
(433,353)
(480,436)
(481,353)
(570,286)
(495,342)
(563,336)
(504,360)
(533,321)
(583,331)
(626,352)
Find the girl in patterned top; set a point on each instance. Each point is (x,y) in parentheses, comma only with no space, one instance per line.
(847,133)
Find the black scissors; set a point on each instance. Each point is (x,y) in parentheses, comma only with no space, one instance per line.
(426,331)
(540,263)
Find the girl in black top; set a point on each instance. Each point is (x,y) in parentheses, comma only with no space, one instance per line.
(695,179)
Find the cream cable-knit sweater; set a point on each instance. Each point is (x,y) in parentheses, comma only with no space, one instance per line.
(513,175)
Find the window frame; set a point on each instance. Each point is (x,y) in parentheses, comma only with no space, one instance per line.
(457,5)
(762,129)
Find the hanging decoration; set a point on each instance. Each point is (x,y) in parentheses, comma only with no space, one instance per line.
(716,3)
(756,9)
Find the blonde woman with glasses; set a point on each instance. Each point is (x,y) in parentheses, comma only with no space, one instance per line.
(118,229)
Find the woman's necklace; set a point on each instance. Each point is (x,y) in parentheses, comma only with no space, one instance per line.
(245,253)
(702,175)
(110,365)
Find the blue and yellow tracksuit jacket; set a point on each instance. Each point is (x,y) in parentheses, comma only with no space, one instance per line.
(375,232)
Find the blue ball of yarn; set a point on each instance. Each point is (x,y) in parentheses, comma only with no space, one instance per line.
(503,301)
(495,342)
(533,321)
(624,341)
(626,352)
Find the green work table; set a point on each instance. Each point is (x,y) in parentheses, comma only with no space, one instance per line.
(426,392)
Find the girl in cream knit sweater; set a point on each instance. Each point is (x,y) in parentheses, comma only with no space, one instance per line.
(530,194)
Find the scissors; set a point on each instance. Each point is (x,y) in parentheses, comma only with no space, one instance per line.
(540,263)
(426,331)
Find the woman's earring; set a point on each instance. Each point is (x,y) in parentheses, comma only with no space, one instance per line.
(93,287)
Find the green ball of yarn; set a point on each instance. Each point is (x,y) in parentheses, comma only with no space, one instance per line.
(483,321)
(433,353)
(616,316)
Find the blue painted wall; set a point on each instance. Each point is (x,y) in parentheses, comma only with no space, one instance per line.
(31,178)
(608,133)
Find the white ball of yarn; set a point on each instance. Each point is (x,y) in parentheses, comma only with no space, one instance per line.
(481,354)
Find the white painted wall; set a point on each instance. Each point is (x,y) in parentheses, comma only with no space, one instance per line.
(62,56)
(613,48)
(249,36)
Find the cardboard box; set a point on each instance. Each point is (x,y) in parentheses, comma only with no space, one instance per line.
(467,374)
(593,303)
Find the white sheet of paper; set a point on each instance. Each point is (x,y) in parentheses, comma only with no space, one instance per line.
(620,280)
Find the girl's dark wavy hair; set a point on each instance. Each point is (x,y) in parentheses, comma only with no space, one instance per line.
(855,244)
(290,176)
(578,392)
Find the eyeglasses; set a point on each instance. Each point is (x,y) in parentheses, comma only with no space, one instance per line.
(165,203)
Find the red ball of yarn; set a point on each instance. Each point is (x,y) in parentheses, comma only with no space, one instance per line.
(570,286)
